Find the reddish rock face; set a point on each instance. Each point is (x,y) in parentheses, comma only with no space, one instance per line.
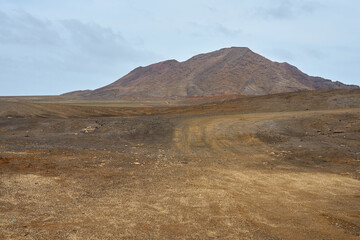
(224,72)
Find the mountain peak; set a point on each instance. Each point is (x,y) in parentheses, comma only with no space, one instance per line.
(233,48)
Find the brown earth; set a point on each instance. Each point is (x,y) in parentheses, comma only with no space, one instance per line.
(285,166)
(227,71)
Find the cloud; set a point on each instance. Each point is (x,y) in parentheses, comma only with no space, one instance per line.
(22,28)
(95,41)
(227,31)
(66,52)
(286,9)
(207,30)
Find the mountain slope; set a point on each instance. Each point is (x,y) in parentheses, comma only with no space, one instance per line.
(223,72)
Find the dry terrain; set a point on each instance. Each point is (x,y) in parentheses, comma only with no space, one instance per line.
(284,166)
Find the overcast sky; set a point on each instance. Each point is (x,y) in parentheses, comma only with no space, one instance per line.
(52,47)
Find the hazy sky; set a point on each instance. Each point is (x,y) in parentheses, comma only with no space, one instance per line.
(52,47)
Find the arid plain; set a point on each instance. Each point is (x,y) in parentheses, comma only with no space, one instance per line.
(283,166)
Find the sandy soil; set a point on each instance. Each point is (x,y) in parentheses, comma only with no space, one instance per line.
(217,171)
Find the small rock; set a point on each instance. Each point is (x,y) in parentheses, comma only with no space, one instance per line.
(88,129)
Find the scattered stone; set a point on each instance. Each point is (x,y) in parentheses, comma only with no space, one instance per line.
(88,129)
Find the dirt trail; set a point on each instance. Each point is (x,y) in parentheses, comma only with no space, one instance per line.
(288,204)
(235,132)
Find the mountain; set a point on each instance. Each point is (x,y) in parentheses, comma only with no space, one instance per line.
(227,71)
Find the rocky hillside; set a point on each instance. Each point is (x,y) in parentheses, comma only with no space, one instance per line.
(224,72)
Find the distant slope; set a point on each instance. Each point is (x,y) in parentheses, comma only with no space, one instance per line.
(295,101)
(224,72)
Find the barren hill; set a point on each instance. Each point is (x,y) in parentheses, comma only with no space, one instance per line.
(224,72)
